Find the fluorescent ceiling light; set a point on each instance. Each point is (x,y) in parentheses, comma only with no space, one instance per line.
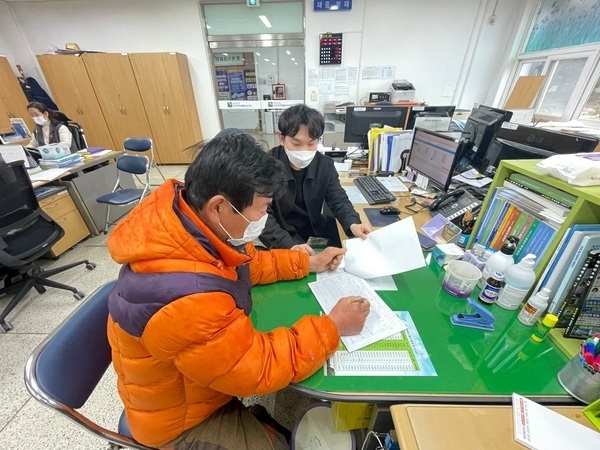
(273,63)
(287,51)
(296,63)
(293,59)
(226,54)
(257,54)
(266,60)
(265,21)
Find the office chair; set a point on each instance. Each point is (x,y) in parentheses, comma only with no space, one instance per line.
(143,144)
(78,135)
(63,371)
(134,164)
(26,234)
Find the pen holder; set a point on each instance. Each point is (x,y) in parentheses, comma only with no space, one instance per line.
(580,380)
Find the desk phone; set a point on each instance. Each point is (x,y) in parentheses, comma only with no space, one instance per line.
(454,204)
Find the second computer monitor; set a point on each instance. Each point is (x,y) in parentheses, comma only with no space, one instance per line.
(360,119)
(434,155)
(431,111)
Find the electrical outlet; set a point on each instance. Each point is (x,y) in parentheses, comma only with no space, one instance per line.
(314,96)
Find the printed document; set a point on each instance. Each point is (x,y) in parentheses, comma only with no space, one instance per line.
(48,175)
(390,250)
(540,428)
(381,322)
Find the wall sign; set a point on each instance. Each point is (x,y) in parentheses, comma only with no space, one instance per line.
(330,48)
(229,59)
(332,5)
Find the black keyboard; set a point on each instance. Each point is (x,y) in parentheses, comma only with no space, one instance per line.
(373,190)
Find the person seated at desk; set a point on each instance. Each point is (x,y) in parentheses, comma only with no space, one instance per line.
(48,130)
(183,344)
(311,182)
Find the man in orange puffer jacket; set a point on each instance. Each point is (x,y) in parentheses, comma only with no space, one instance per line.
(183,345)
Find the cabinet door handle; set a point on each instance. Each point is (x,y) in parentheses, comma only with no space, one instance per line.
(164,109)
(125,110)
(121,109)
(168,111)
(82,113)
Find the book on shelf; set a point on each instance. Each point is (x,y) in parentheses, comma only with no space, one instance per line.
(549,192)
(586,319)
(585,243)
(578,289)
(556,208)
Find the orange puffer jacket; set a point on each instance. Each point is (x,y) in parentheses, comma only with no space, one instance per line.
(183,358)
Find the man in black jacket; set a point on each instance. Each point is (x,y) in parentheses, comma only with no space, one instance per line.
(312,181)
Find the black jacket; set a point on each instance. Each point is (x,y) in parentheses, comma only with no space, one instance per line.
(321,185)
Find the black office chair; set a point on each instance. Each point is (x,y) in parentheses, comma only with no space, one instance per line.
(26,234)
(63,371)
(75,129)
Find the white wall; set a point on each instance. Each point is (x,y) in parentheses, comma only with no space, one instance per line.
(121,26)
(447,49)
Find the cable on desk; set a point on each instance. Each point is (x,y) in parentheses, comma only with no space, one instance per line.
(368,436)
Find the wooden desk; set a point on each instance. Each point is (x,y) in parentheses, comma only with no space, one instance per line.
(459,427)
(402,200)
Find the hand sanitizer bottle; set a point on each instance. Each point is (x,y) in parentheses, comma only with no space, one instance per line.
(499,261)
(517,282)
(534,308)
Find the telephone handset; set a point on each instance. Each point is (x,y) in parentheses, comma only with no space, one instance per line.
(437,204)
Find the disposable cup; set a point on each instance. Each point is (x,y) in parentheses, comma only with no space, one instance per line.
(461,278)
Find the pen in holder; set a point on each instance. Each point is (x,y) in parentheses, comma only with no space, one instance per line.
(581,376)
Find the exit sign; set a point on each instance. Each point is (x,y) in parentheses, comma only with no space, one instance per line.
(253,2)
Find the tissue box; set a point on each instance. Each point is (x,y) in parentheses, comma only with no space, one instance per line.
(54,151)
(444,253)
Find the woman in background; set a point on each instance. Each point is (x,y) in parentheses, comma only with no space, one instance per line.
(48,130)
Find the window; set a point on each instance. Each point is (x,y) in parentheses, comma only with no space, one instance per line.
(561,79)
(591,108)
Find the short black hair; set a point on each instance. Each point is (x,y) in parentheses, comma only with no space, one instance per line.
(235,166)
(294,117)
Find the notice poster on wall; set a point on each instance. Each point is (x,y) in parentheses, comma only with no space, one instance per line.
(222,85)
(250,82)
(237,87)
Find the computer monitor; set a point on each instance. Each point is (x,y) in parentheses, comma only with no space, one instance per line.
(480,128)
(434,155)
(513,141)
(360,119)
(428,111)
(507,115)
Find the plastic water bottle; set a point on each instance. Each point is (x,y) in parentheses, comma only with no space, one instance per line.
(517,281)
(534,308)
(499,261)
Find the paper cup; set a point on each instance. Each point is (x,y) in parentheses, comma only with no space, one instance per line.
(461,278)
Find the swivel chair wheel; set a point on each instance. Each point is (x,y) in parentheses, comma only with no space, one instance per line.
(90,266)
(6,326)
(78,295)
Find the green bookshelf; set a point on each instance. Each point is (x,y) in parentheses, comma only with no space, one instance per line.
(585,210)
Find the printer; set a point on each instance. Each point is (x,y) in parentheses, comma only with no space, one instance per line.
(402,91)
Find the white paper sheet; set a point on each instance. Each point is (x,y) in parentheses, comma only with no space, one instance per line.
(101,153)
(48,175)
(390,250)
(378,284)
(11,153)
(470,177)
(393,184)
(381,322)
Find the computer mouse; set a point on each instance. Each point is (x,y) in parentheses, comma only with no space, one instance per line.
(389,211)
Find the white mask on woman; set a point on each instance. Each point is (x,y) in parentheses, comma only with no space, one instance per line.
(252,231)
(300,158)
(40,120)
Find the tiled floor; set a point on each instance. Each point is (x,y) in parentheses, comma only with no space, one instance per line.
(24,423)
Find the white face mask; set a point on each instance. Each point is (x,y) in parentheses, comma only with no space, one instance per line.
(252,231)
(300,158)
(40,120)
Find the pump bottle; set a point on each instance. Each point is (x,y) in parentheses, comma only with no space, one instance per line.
(517,281)
(534,308)
(499,261)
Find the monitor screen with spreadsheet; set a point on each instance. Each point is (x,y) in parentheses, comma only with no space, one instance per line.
(434,155)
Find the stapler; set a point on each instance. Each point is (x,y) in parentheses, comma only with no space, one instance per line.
(483,320)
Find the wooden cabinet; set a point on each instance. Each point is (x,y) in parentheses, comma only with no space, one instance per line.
(73,93)
(13,102)
(62,210)
(118,95)
(141,94)
(164,83)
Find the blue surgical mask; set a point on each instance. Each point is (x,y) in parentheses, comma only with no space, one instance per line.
(252,231)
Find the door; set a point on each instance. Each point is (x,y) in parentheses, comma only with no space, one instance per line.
(13,103)
(73,93)
(171,111)
(118,95)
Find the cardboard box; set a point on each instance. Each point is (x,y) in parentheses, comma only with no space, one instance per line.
(444,253)
(351,416)
(54,151)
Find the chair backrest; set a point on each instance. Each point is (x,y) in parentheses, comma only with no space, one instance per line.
(63,371)
(16,191)
(141,144)
(78,135)
(136,164)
